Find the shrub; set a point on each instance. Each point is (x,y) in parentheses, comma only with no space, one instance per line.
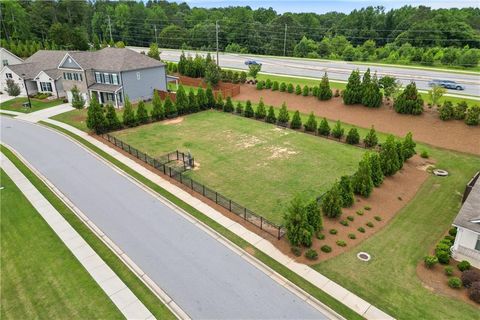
(268,84)
(296,121)
(314,216)
(283,115)
(359,212)
(298,90)
(430,261)
(236,77)
(320,236)
(472,116)
(13,89)
(290,88)
(239,108)
(352,136)
(128,114)
(455,283)
(142,114)
(378,218)
(297,252)
(344,223)
(333,231)
(353,91)
(351,218)
(311,124)
(271,118)
(324,91)
(424,154)
(362,179)
(469,277)
(459,110)
(220,103)
(371,139)
(261,112)
(275,86)
(409,101)
(443,256)
(463,265)
(305,91)
(474,292)
(446,111)
(326,249)
(311,254)
(315,91)
(361,229)
(243,77)
(448,270)
(248,109)
(228,107)
(260,85)
(453,231)
(337,130)
(332,202)
(346,191)
(283,87)
(341,243)
(111,118)
(299,232)
(158,112)
(369,224)
(169,106)
(408,147)
(368,208)
(337,93)
(324,127)
(450,238)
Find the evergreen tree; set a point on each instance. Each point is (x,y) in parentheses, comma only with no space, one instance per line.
(332,202)
(296,121)
(389,157)
(243,77)
(352,136)
(298,90)
(324,91)
(376,169)
(260,85)
(182,63)
(261,112)
(362,180)
(353,91)
(248,109)
(299,231)
(446,111)
(271,118)
(409,101)
(128,114)
(314,216)
(305,91)
(283,115)
(239,108)
(275,86)
(202,101)
(283,87)
(78,102)
(472,116)
(346,191)
(111,118)
(192,102)
(460,110)
(315,90)
(338,131)
(220,103)
(372,96)
(142,114)
(181,100)
(400,153)
(311,125)
(210,97)
(371,139)
(268,84)
(170,108)
(290,88)
(158,113)
(228,107)
(324,127)
(366,80)
(95,118)
(408,146)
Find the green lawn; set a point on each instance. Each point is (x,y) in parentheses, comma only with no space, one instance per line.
(41,278)
(16,104)
(256,164)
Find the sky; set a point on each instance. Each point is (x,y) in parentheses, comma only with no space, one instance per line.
(322,6)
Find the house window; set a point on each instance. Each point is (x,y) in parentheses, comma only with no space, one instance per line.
(8,75)
(75,76)
(69,76)
(106,77)
(138,75)
(97,77)
(46,87)
(80,77)
(5,62)
(114,78)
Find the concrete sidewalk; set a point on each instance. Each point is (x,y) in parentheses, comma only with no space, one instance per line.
(46,113)
(128,304)
(348,298)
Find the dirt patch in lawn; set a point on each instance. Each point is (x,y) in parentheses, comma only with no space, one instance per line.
(427,128)
(173,121)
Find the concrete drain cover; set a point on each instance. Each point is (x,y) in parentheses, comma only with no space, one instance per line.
(363,256)
(440,172)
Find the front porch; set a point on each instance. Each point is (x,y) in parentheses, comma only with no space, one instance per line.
(107,94)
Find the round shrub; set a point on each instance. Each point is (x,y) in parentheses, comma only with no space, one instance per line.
(368,208)
(450,238)
(474,292)
(369,224)
(453,232)
(378,218)
(275,86)
(333,231)
(361,229)
(296,251)
(352,236)
(430,261)
(448,270)
(341,243)
(344,223)
(360,212)
(350,218)
(469,277)
(268,84)
(320,236)
(443,256)
(326,249)
(424,154)
(454,282)
(446,243)
(311,254)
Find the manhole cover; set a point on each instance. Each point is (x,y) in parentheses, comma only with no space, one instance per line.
(440,172)
(363,256)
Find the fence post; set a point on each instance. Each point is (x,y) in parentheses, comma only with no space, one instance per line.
(244,213)
(203,189)
(279,232)
(170,172)
(191,184)
(216,197)
(261,222)
(181,178)
(154,163)
(230,202)
(121,144)
(177,154)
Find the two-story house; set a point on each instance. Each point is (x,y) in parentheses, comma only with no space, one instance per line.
(112,74)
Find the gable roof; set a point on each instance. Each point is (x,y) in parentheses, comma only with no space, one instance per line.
(3,51)
(40,61)
(469,214)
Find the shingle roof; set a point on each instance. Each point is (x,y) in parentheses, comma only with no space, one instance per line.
(470,210)
(104,87)
(40,60)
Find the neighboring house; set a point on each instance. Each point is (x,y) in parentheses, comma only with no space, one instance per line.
(112,74)
(467,241)
(7,58)
(39,73)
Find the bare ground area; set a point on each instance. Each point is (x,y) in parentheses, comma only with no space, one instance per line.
(427,128)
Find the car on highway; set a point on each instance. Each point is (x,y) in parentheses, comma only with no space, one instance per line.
(252,62)
(448,84)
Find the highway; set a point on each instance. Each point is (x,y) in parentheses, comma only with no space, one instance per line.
(203,276)
(337,70)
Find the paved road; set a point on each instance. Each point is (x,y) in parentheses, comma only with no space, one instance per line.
(337,70)
(205,278)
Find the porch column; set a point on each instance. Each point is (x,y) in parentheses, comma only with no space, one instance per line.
(116,102)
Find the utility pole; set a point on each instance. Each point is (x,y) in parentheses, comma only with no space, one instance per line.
(110,28)
(156,39)
(285,41)
(216,32)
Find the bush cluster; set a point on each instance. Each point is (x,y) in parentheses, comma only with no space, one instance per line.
(311,254)
(366,92)
(302,221)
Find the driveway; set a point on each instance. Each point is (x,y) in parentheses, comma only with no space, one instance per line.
(204,277)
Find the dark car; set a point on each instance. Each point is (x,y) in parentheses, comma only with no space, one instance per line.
(448,84)
(252,62)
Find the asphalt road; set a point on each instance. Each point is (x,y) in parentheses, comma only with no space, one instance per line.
(337,70)
(204,277)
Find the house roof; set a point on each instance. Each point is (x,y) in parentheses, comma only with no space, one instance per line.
(469,215)
(40,61)
(104,87)
(3,50)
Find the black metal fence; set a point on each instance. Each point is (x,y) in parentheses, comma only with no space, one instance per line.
(175,171)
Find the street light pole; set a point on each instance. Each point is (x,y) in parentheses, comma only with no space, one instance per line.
(26,89)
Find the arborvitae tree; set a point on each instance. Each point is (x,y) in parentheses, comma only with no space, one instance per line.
(299,231)
(324,127)
(409,101)
(459,110)
(95,118)
(228,107)
(376,169)
(296,121)
(305,91)
(290,88)
(181,63)
(170,108)
(366,80)
(332,202)
(260,85)
(298,90)
(314,216)
(352,136)
(315,90)
(372,96)
(283,87)
(362,180)
(142,113)
(324,91)
(275,86)
(111,118)
(239,108)
(202,99)
(220,103)
(158,113)
(248,109)
(400,153)
(243,77)
(472,116)
(371,139)
(446,111)
(311,124)
(408,146)
(181,100)
(338,131)
(128,114)
(78,102)
(346,191)
(353,91)
(268,84)
(283,115)
(210,97)
(271,118)
(192,102)
(389,157)
(261,112)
